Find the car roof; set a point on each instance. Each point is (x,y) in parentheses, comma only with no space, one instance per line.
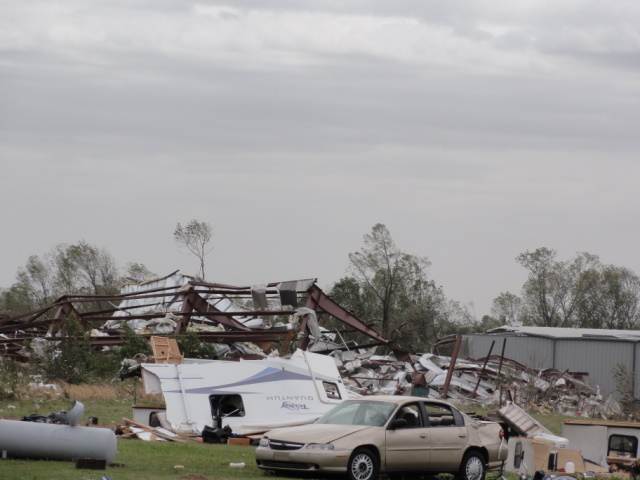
(398,399)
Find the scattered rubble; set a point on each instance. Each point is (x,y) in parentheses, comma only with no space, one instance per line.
(130,429)
(491,381)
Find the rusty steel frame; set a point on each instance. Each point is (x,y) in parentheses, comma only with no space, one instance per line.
(30,325)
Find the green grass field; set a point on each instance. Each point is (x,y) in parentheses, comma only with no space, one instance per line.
(139,460)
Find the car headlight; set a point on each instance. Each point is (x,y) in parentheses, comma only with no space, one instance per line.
(264,442)
(321,446)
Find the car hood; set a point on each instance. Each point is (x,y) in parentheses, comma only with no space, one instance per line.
(315,433)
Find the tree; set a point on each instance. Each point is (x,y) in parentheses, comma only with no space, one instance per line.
(78,269)
(194,237)
(71,360)
(85,269)
(581,292)
(614,302)
(487,322)
(428,315)
(390,274)
(34,287)
(624,381)
(138,273)
(421,312)
(554,290)
(350,294)
(506,308)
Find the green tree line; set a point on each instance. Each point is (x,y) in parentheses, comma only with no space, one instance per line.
(76,269)
(581,292)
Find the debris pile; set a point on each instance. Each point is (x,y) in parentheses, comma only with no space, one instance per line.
(489,381)
(132,429)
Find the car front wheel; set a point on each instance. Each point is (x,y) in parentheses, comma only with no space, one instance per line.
(472,467)
(363,465)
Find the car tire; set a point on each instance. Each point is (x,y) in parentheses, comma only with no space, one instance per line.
(363,465)
(472,467)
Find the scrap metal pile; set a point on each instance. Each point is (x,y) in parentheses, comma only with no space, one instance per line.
(487,381)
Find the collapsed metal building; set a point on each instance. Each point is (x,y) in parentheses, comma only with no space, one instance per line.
(276,313)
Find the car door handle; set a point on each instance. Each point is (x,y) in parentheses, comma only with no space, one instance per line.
(423,436)
(462,435)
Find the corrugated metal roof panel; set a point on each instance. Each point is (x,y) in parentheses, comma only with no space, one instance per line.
(554,332)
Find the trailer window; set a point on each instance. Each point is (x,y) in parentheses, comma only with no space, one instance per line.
(226,406)
(623,446)
(331,389)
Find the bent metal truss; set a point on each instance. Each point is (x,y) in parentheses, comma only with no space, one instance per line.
(232,310)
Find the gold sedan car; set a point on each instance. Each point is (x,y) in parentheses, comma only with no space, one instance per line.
(386,434)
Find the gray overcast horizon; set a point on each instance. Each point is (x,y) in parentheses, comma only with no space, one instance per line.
(474,130)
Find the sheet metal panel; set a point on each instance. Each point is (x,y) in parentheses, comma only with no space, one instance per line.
(636,366)
(535,352)
(567,332)
(598,357)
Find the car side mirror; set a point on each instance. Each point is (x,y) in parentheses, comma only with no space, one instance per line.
(398,423)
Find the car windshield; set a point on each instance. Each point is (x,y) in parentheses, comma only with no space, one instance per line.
(358,412)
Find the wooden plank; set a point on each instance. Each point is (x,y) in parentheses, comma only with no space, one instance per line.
(165,350)
(155,431)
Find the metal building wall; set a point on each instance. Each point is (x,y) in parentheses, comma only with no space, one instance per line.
(597,357)
(636,369)
(536,352)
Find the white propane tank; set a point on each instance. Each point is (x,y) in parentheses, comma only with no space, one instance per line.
(56,442)
(51,441)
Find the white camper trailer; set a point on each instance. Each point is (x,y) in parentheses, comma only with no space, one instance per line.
(250,396)
(602,440)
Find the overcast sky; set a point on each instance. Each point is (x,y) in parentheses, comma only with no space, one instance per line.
(474,130)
